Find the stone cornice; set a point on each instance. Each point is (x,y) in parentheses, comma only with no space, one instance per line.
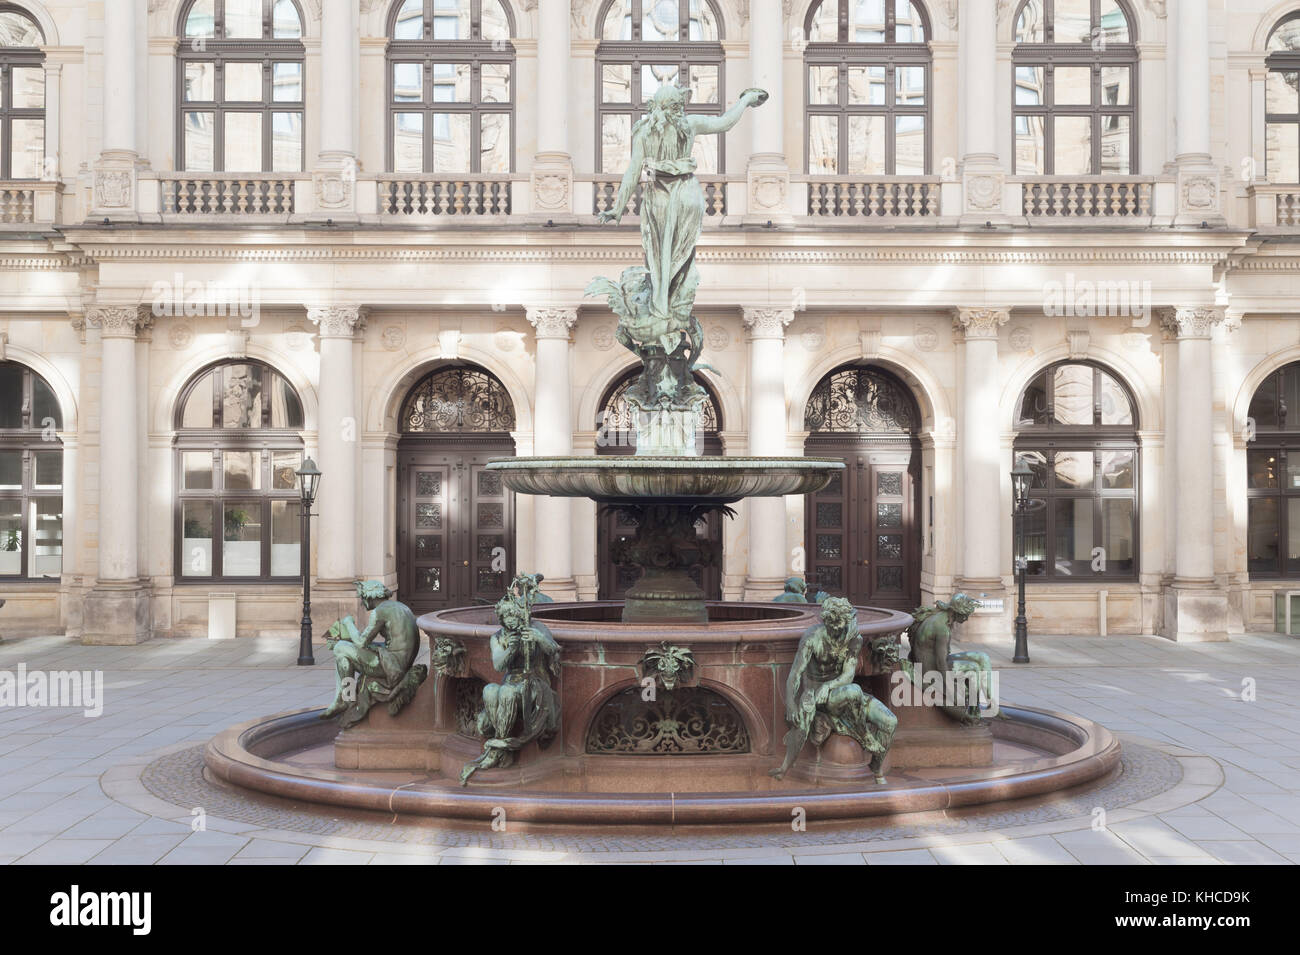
(981,321)
(1193,321)
(119,321)
(552,321)
(337,321)
(767,322)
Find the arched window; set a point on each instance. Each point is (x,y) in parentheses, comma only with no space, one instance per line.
(240,87)
(31,476)
(1078,435)
(238,447)
(867,88)
(451,87)
(645,44)
(1076,88)
(1273,477)
(22,96)
(1282,102)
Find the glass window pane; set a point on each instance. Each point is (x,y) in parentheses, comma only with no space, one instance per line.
(909,146)
(408,83)
(1262,468)
(451,83)
(11,538)
(451,19)
(1073,86)
(1073,470)
(1029,26)
(11,469)
(243,152)
(1073,152)
(241,399)
(1035,540)
(1263,405)
(201,18)
(286,538)
(27,151)
(286,82)
(241,555)
(284,470)
(908,26)
(285,24)
(1030,83)
(823,145)
(1116,138)
(1036,461)
(49,470)
(1115,86)
(866,21)
(1262,535)
(196,539)
(660,22)
(704,84)
(494,142)
(1072,21)
(618,21)
(198,406)
(47,537)
(867,86)
(1280,92)
(286,409)
(702,25)
(409,24)
(198,141)
(408,142)
(1073,536)
(616,83)
(1118,535)
(494,83)
(1114,25)
(286,142)
(1030,145)
(824,85)
(451,142)
(243,82)
(242,470)
(909,86)
(1115,406)
(243,19)
(1291,470)
(200,82)
(494,25)
(1117,469)
(45,407)
(824,26)
(1289,380)
(1293,537)
(1072,391)
(196,468)
(11,395)
(867,146)
(655,76)
(615,142)
(1033,405)
(1282,152)
(28,87)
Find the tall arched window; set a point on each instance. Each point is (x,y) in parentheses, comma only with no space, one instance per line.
(1078,435)
(451,87)
(31,476)
(867,88)
(1273,477)
(238,447)
(645,44)
(1282,102)
(22,96)
(1076,88)
(240,83)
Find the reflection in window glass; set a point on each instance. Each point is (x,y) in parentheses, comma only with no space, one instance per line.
(286,538)
(196,539)
(11,538)
(47,537)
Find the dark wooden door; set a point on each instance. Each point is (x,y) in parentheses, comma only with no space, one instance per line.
(862,532)
(455,527)
(616,524)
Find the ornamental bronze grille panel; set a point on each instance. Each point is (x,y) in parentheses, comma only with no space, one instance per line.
(857,400)
(458,399)
(468,695)
(688,721)
(619,418)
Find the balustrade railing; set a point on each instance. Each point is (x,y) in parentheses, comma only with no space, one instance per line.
(465,195)
(1087,197)
(873,197)
(227,194)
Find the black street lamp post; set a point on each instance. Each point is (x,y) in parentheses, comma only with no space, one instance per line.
(308,481)
(1021,477)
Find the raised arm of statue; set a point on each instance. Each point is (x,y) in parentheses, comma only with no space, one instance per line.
(630,177)
(703,125)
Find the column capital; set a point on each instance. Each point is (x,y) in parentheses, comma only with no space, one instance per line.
(1191,321)
(337,321)
(767,322)
(119,321)
(552,321)
(980,322)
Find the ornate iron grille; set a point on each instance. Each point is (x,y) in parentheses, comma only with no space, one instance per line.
(619,416)
(859,399)
(688,721)
(458,399)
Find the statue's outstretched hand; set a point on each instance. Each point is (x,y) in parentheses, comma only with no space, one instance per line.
(754,96)
(609,215)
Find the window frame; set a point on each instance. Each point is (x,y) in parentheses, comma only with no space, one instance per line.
(12,57)
(844,54)
(473,50)
(1049,55)
(266,52)
(1281,61)
(29,440)
(1284,441)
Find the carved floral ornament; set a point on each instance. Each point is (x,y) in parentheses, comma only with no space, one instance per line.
(119,321)
(767,322)
(553,321)
(1193,321)
(337,321)
(977,323)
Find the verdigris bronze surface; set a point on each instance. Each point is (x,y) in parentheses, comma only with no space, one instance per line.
(524,706)
(821,698)
(795,592)
(668,665)
(931,652)
(369,672)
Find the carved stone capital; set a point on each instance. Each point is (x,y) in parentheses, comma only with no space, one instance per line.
(982,322)
(1193,321)
(1078,340)
(552,321)
(337,321)
(767,322)
(118,321)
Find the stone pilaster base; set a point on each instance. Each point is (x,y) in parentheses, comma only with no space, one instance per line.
(764,588)
(984,623)
(1195,614)
(114,190)
(551,189)
(116,615)
(767,191)
(1198,195)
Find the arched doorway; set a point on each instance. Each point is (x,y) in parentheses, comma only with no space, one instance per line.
(862,532)
(455,519)
(31,476)
(616,434)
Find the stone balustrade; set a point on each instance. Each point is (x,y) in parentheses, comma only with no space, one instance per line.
(220,194)
(1108,198)
(28,203)
(873,197)
(410,196)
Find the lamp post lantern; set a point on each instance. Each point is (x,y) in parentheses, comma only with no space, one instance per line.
(308,481)
(1021,477)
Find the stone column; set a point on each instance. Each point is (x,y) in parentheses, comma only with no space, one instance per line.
(114,194)
(1195,608)
(117,611)
(983,176)
(337,557)
(334,180)
(553,437)
(552,174)
(1198,177)
(981,463)
(768,559)
(768,172)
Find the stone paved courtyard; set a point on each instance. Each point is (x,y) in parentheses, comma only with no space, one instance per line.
(1208,776)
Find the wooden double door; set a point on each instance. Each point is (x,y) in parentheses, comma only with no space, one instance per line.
(455,525)
(863,533)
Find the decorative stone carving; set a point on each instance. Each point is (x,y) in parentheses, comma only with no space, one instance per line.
(337,321)
(552,321)
(1199,193)
(551,192)
(983,192)
(870,339)
(925,339)
(112,189)
(1158,7)
(393,337)
(767,322)
(950,12)
(118,321)
(505,340)
(181,336)
(813,339)
(1134,341)
(602,337)
(718,338)
(982,322)
(1078,339)
(296,337)
(367,672)
(768,192)
(930,637)
(1196,321)
(669,665)
(1020,338)
(333,189)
